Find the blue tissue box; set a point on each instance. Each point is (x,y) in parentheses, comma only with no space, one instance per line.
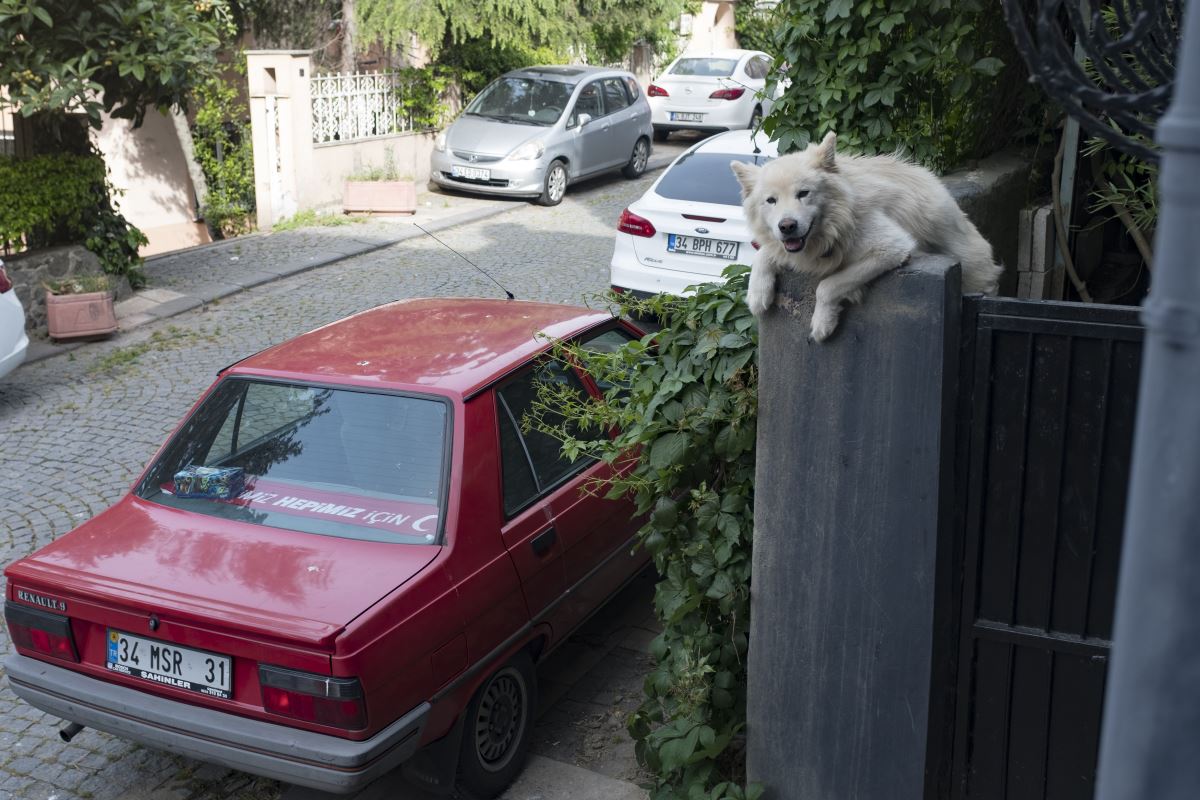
(217,483)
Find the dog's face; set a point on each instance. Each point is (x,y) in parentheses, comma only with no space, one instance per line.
(784,200)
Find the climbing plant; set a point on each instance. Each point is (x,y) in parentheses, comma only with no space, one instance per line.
(684,400)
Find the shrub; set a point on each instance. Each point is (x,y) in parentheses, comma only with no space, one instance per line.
(685,399)
(936,79)
(222,144)
(65,199)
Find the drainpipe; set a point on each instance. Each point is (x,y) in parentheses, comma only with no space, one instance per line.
(1148,748)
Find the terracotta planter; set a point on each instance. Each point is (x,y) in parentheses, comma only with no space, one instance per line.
(380,197)
(70,316)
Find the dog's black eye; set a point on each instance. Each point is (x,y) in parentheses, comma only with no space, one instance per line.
(803,193)
(771,200)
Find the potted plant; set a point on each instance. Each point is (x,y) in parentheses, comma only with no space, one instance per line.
(380,190)
(80,306)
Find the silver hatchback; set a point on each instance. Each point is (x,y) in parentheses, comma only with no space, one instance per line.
(532,131)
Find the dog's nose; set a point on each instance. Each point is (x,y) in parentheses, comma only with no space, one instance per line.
(787,226)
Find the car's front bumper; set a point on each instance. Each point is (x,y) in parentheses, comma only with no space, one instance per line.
(513,178)
(328,763)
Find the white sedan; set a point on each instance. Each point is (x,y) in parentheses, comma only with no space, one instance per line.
(689,225)
(720,91)
(13,340)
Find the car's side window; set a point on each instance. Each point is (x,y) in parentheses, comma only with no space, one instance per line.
(614,95)
(531,461)
(754,68)
(588,102)
(634,90)
(609,341)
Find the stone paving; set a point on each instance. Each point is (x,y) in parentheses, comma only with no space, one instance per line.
(75,430)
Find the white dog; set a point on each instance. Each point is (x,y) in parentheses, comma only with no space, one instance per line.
(847,220)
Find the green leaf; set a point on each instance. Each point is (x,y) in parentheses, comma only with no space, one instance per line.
(43,15)
(668,449)
(990,66)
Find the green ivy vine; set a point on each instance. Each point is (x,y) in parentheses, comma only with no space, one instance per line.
(936,79)
(685,400)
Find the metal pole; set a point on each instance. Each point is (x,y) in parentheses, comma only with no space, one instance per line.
(1150,747)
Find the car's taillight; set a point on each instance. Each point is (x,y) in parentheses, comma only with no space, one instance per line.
(40,631)
(657,91)
(728,94)
(5,283)
(633,224)
(337,702)
(756,245)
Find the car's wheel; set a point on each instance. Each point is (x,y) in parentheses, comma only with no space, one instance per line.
(555,185)
(498,727)
(637,162)
(756,118)
(661,135)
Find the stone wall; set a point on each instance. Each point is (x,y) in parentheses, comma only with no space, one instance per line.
(29,271)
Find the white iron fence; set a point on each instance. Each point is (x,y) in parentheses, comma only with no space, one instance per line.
(357,106)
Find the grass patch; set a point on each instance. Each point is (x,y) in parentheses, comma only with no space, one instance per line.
(173,338)
(311,219)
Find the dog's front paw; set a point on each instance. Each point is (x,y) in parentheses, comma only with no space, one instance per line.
(824,322)
(760,297)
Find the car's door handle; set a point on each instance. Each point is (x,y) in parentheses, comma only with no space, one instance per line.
(544,541)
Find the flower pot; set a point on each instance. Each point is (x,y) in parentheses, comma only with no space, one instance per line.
(380,197)
(70,316)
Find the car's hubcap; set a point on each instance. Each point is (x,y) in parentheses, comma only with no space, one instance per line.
(640,155)
(501,720)
(558,183)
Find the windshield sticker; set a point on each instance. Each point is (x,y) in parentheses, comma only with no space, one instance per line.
(395,515)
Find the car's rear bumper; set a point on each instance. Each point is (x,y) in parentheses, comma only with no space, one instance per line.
(13,340)
(652,280)
(329,763)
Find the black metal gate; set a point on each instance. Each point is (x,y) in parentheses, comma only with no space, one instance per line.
(1046,425)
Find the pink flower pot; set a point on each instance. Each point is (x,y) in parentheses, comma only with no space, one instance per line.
(70,316)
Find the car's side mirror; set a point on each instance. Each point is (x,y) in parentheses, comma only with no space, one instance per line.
(584,119)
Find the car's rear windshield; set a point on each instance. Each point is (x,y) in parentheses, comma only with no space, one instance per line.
(705,67)
(526,100)
(705,178)
(334,462)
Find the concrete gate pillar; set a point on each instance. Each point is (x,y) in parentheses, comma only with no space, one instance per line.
(854,483)
(281,129)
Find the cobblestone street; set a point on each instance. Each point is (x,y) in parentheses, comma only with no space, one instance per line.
(76,429)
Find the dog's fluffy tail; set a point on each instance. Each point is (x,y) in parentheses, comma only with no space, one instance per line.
(980,272)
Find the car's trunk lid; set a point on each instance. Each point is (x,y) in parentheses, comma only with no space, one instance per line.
(269,583)
(719,225)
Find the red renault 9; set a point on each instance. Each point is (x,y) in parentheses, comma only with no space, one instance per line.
(348,557)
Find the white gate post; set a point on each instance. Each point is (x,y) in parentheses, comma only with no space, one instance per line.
(281,129)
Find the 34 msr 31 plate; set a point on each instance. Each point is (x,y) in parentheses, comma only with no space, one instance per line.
(169,664)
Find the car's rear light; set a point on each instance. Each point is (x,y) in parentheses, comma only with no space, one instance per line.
(756,245)
(40,631)
(337,702)
(618,289)
(5,283)
(657,91)
(633,224)
(728,94)
(703,219)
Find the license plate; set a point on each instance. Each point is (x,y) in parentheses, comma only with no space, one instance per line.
(699,246)
(680,116)
(471,173)
(169,664)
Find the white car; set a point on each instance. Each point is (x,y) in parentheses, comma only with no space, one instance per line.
(689,225)
(719,91)
(13,341)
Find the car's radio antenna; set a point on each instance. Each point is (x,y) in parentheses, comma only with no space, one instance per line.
(464,258)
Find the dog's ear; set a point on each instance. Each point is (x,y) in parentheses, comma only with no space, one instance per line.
(823,156)
(746,174)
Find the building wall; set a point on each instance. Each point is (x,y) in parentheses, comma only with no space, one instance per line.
(148,165)
(710,29)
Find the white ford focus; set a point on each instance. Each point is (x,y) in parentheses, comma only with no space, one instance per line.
(689,225)
(720,91)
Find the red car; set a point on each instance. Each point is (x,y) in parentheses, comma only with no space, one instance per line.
(347,555)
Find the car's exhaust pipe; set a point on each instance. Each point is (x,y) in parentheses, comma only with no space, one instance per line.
(70,732)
